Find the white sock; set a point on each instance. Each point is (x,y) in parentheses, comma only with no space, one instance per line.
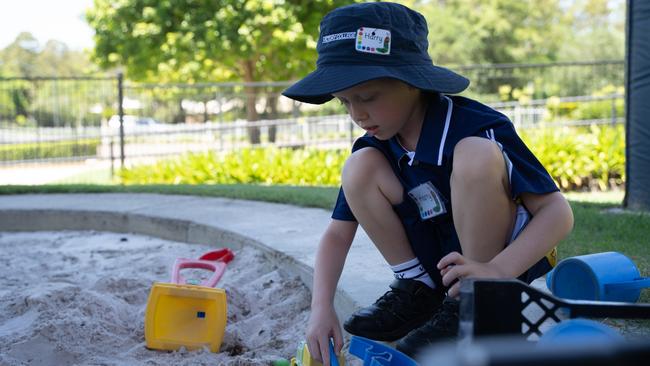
(412,270)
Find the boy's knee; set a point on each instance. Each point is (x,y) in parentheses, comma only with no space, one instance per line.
(477,159)
(361,168)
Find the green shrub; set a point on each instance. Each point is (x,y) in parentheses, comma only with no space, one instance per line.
(578,158)
(581,158)
(587,110)
(261,166)
(56,149)
(599,110)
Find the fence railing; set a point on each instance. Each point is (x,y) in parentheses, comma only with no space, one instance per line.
(542,80)
(564,111)
(72,119)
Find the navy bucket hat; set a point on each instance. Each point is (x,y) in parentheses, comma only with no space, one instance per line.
(367,41)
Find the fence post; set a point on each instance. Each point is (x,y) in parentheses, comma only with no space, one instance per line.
(112,159)
(351,124)
(120,108)
(614,116)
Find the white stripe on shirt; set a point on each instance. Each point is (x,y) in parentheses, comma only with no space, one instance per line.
(450,106)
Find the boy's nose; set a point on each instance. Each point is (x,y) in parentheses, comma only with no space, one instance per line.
(358,114)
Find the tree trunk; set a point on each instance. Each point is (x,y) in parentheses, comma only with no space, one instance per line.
(180,117)
(205,111)
(251,98)
(272,112)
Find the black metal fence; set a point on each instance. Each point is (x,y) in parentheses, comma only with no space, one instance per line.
(46,120)
(543,80)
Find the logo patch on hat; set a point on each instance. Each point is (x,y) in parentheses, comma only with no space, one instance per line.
(373,40)
(338,36)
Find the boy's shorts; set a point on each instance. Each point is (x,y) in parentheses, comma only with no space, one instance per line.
(542,266)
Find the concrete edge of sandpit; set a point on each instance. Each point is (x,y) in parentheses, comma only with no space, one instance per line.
(187,231)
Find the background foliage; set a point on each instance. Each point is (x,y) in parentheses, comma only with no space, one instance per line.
(581,158)
(211,41)
(190,41)
(59,149)
(578,158)
(263,165)
(26,57)
(513,31)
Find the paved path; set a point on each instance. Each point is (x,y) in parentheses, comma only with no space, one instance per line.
(45,173)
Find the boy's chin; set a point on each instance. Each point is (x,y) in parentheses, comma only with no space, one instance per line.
(379,136)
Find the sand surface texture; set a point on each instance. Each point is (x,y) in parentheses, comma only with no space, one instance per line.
(71,298)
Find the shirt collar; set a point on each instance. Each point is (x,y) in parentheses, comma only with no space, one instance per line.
(430,136)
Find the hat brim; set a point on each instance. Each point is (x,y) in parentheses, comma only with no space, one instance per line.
(318,86)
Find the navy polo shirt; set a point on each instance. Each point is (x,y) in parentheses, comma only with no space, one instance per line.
(426,208)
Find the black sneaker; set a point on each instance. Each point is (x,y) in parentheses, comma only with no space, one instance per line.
(408,305)
(442,326)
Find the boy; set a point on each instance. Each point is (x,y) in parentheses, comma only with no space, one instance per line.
(442,185)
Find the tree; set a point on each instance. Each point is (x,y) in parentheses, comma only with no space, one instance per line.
(465,32)
(497,31)
(597,29)
(19,57)
(209,40)
(25,57)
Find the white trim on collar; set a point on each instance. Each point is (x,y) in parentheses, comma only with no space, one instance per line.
(450,106)
(409,153)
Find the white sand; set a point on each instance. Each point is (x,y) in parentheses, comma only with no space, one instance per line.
(79,298)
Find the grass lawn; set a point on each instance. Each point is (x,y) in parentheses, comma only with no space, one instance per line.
(599,227)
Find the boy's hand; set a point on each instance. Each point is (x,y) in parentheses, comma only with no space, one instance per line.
(454,267)
(323,325)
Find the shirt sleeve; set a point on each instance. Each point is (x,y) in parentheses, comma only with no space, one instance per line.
(341,209)
(526,173)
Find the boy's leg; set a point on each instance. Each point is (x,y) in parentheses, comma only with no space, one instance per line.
(371,189)
(484,213)
(484,216)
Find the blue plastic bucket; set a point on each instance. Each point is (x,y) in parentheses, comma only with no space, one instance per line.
(376,354)
(579,331)
(609,276)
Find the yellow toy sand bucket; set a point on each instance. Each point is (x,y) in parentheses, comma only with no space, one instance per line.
(185,314)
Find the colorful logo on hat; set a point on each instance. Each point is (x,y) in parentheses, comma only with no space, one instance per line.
(373,40)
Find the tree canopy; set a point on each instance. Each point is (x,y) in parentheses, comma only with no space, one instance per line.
(25,57)
(208,40)
(465,32)
(266,40)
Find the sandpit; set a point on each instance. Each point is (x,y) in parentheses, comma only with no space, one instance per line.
(79,297)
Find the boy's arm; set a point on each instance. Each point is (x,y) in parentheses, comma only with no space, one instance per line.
(552,220)
(330,258)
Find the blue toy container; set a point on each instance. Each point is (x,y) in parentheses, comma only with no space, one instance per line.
(608,276)
(579,331)
(377,354)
